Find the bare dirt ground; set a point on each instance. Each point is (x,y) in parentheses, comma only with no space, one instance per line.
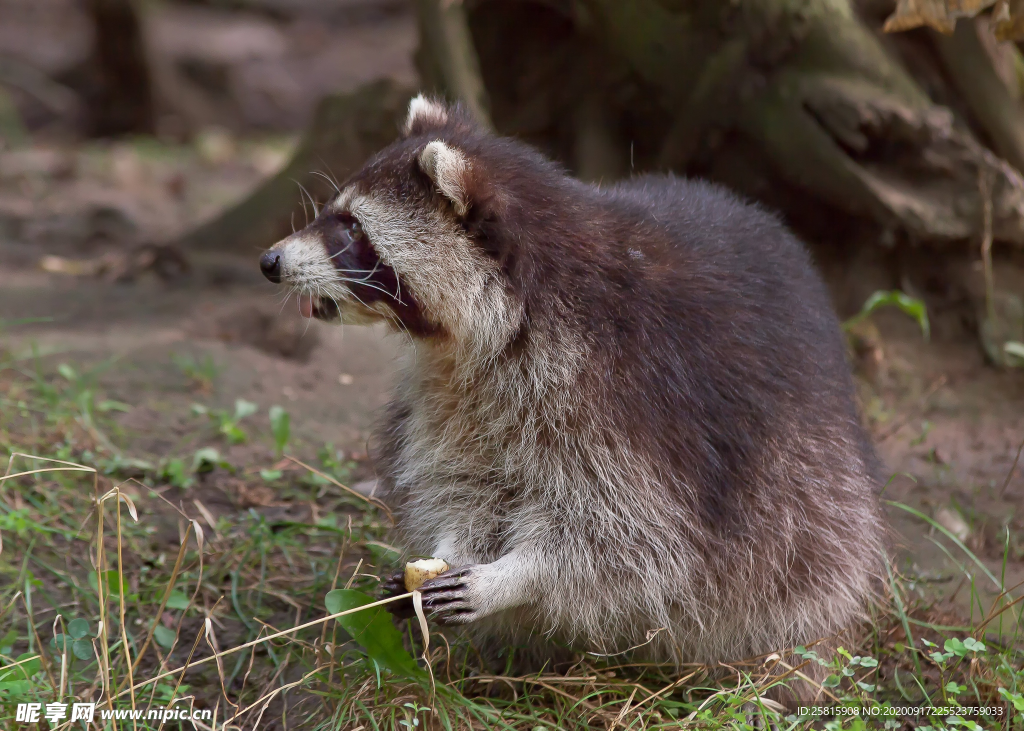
(223,311)
(949,431)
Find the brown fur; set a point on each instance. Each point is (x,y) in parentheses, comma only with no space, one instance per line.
(627,409)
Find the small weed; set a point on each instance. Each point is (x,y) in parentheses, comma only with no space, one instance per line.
(280,427)
(207,459)
(200,374)
(334,464)
(174,472)
(226,422)
(911,306)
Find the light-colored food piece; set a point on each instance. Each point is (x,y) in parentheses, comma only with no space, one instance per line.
(419,572)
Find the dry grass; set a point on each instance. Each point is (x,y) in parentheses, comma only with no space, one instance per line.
(228,614)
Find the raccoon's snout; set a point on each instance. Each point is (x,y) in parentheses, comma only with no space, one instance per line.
(270,265)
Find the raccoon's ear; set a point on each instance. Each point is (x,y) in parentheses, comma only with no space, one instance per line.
(450,171)
(425,114)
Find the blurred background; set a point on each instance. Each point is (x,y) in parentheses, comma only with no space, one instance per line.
(150,149)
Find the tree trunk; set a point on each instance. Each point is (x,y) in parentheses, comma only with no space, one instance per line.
(122,101)
(447,60)
(795,95)
(805,83)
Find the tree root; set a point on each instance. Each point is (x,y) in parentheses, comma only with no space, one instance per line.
(970,68)
(812,86)
(870,153)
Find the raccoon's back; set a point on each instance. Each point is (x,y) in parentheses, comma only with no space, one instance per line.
(731,360)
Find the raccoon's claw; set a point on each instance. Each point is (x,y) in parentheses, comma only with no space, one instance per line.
(395,586)
(446,599)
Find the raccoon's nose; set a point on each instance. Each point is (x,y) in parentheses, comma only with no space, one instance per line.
(270,265)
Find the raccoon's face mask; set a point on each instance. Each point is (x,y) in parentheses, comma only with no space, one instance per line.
(401,243)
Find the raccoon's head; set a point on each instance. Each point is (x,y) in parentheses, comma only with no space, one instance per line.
(405,241)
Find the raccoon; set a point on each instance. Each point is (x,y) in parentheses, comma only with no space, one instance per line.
(628,420)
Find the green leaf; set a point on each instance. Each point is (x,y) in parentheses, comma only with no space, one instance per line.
(108,405)
(82,649)
(374,630)
(15,688)
(164,636)
(965,722)
(7,643)
(234,433)
(382,552)
(1017,699)
(113,585)
(974,645)
(118,464)
(175,472)
(1015,351)
(177,600)
(68,372)
(60,643)
(17,682)
(205,459)
(244,408)
(909,305)
(26,670)
(78,628)
(280,427)
(955,646)
(271,475)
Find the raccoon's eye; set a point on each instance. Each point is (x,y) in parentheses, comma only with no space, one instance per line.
(350,222)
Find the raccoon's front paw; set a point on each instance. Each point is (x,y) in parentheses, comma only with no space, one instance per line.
(395,586)
(454,597)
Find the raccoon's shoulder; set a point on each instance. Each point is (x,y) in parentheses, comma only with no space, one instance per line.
(702,216)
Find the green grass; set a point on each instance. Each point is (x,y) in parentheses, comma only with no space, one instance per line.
(118,584)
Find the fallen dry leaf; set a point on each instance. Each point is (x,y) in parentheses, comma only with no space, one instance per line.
(1007,16)
(915,13)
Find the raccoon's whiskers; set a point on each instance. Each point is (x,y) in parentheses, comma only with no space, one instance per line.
(298,306)
(340,252)
(316,211)
(286,295)
(333,177)
(328,179)
(364,283)
(397,322)
(305,211)
(390,316)
(358,299)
